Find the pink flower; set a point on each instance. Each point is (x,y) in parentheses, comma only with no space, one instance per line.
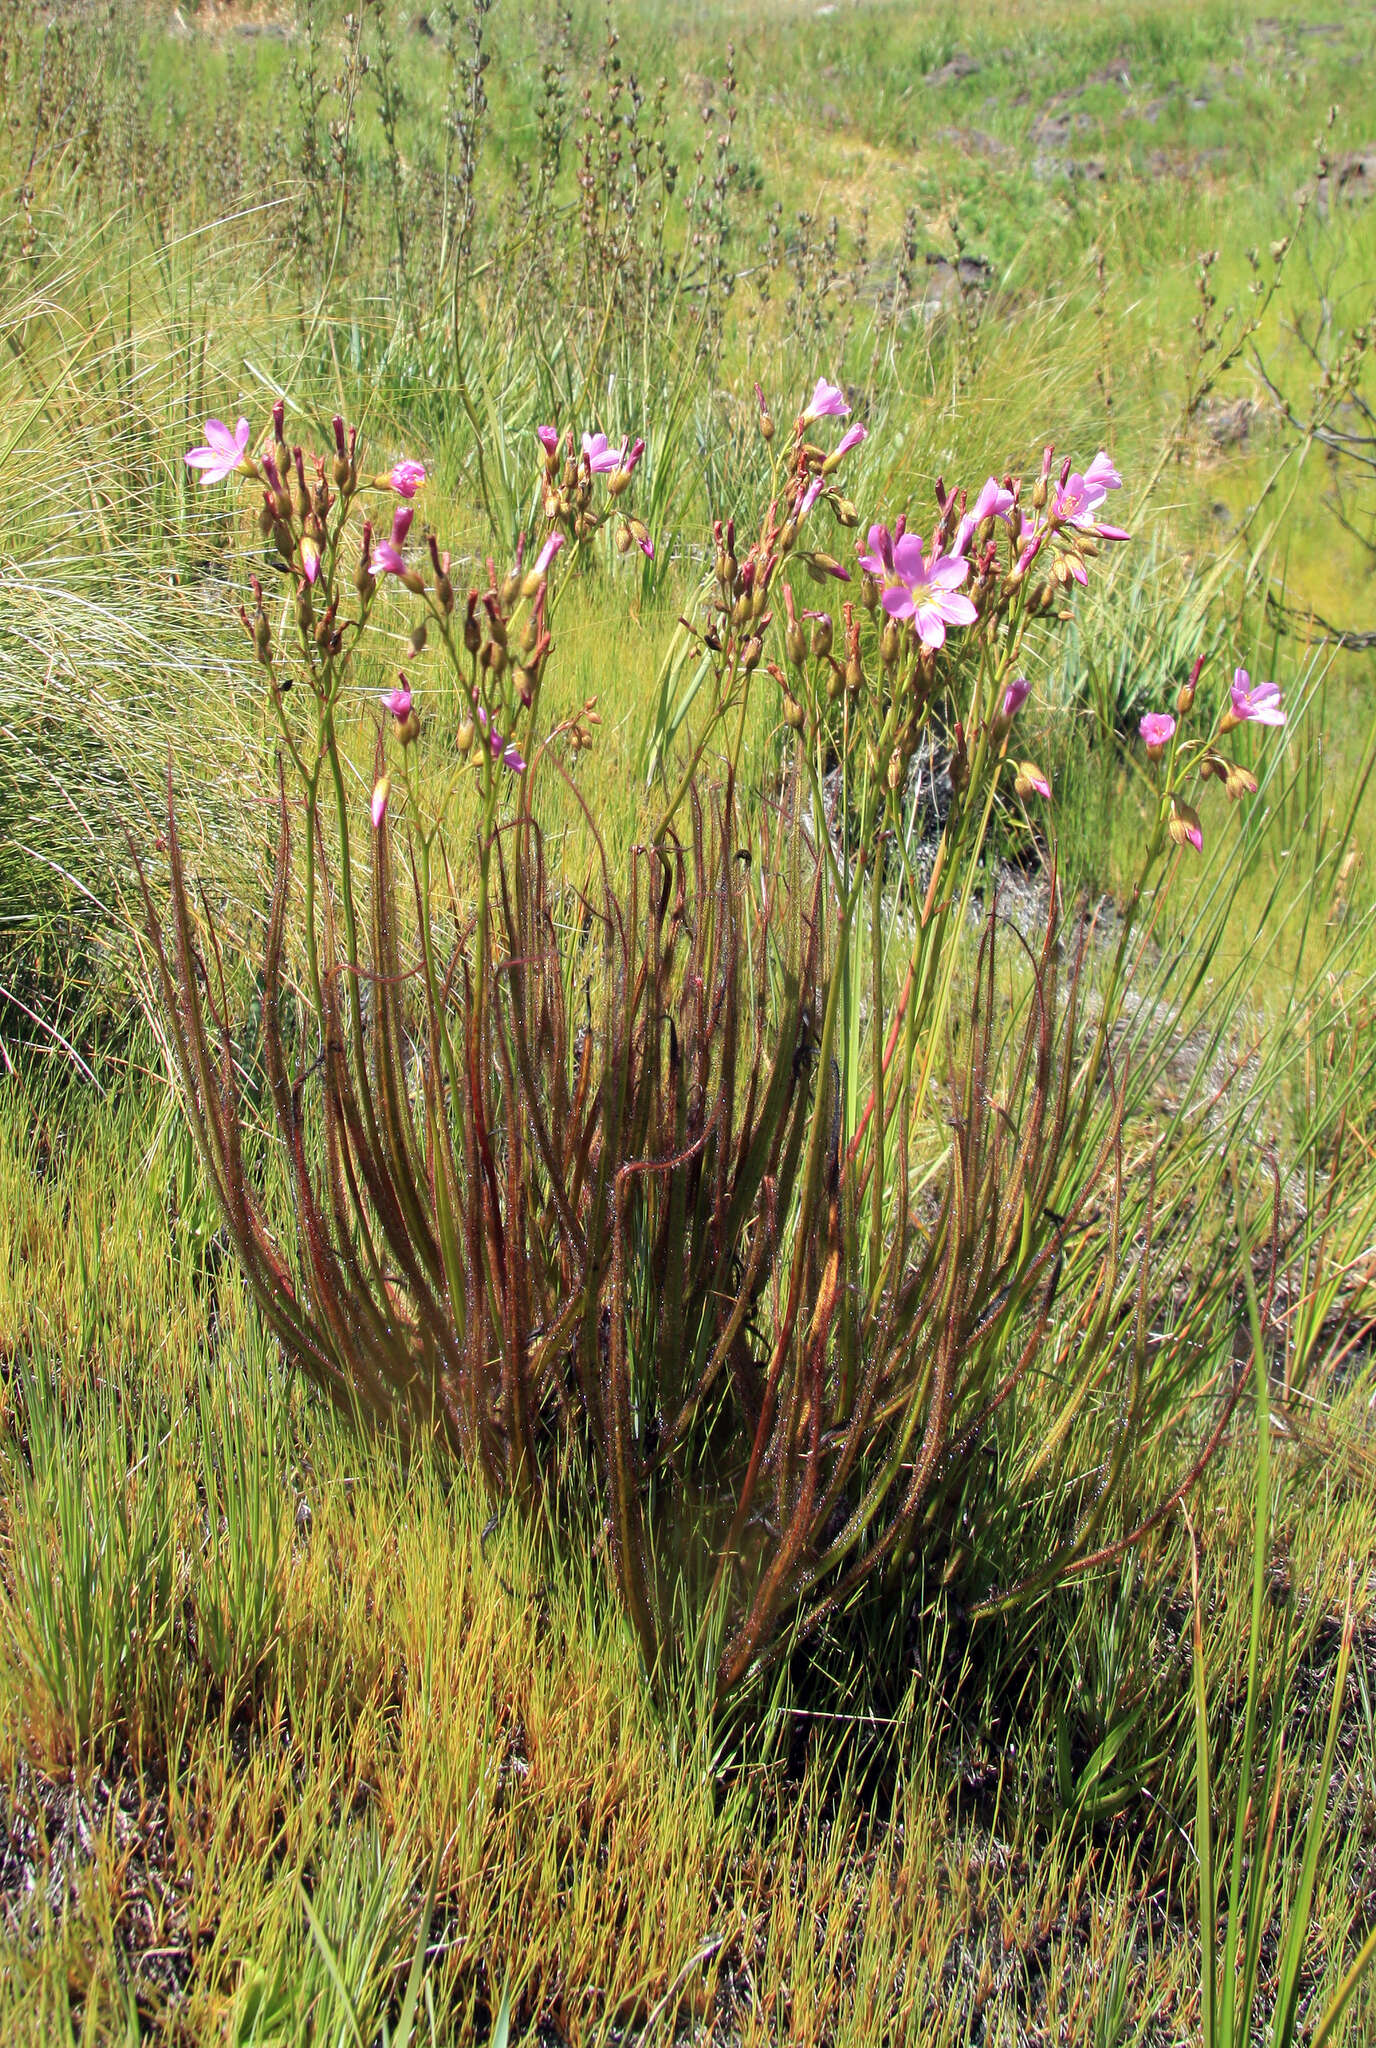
(926,591)
(600,458)
(1157,729)
(852,438)
(310,558)
(1078,499)
(828,402)
(547,553)
(548,437)
(398,701)
(993,502)
(1030,781)
(387,558)
(879,560)
(631,456)
(407,478)
(1015,696)
(511,755)
(223,454)
(380,791)
(1257,702)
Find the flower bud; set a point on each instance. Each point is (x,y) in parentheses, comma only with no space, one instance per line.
(794,715)
(262,639)
(463,738)
(472,631)
(419,635)
(1238,781)
(494,658)
(408,728)
(869,591)
(1029,781)
(821,635)
(1185,699)
(751,652)
(845,512)
(894,775)
(890,643)
(1184,826)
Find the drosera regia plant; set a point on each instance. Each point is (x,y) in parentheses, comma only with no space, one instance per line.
(655,1197)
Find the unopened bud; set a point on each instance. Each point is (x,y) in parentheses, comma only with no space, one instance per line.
(625,539)
(1185,699)
(796,643)
(418,637)
(1184,826)
(262,639)
(766,425)
(1029,781)
(794,715)
(494,657)
(845,512)
(821,636)
(894,776)
(869,591)
(463,738)
(408,728)
(890,643)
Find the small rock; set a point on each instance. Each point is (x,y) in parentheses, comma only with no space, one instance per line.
(960,66)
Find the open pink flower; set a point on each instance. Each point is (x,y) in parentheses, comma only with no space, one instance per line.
(224,452)
(407,478)
(1258,703)
(828,402)
(548,437)
(600,458)
(1157,729)
(927,591)
(993,502)
(387,558)
(1078,499)
(398,701)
